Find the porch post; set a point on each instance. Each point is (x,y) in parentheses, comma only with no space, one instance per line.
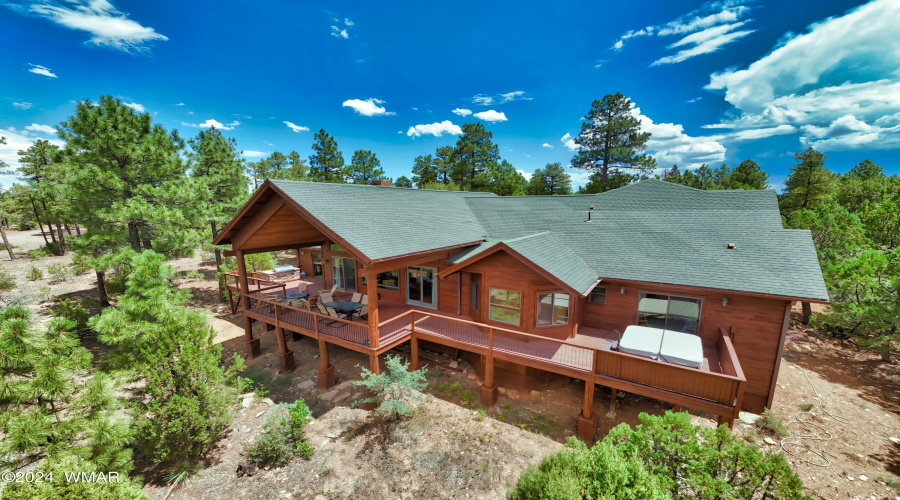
(489,389)
(372,292)
(253,349)
(587,423)
(413,352)
(285,356)
(326,370)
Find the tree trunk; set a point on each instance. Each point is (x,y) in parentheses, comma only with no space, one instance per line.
(66,225)
(77,229)
(12,256)
(101,287)
(49,224)
(807,312)
(38,219)
(215,232)
(62,240)
(134,238)
(147,245)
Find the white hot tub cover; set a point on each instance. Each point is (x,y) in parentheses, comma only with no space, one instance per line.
(641,340)
(681,348)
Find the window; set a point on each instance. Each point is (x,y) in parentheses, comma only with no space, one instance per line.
(505,306)
(552,309)
(344,273)
(598,295)
(388,280)
(474,294)
(680,314)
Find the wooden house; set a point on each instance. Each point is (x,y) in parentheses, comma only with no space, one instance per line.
(542,284)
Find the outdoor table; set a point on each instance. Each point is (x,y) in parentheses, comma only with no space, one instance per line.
(345,306)
(297,295)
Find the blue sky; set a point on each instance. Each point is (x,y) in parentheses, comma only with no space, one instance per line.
(713,82)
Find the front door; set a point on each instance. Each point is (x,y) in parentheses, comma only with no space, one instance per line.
(344,273)
(421,290)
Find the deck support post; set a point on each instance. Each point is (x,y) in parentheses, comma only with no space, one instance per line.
(326,369)
(612,401)
(726,419)
(285,355)
(372,292)
(253,349)
(489,390)
(414,353)
(587,423)
(677,408)
(375,368)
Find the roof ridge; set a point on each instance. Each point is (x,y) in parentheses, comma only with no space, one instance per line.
(476,194)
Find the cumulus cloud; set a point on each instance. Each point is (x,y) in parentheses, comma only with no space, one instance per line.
(213,123)
(106,25)
(180,104)
(47,129)
(462,111)
(704,30)
(22,105)
(491,116)
(295,127)
(569,142)
(492,100)
(135,106)
(545,145)
(253,154)
(19,141)
(339,33)
(670,145)
(837,83)
(41,70)
(436,129)
(367,107)
(525,174)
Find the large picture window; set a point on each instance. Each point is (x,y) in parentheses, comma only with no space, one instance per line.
(669,312)
(388,280)
(552,309)
(506,306)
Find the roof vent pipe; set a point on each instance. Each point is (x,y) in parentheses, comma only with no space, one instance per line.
(589,214)
(732,246)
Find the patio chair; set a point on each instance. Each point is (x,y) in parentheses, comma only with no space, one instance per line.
(325,297)
(329,311)
(356,297)
(365,298)
(303,288)
(333,290)
(363,312)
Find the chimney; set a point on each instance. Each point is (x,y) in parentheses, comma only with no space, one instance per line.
(384,183)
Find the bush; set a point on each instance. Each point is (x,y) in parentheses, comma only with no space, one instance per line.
(7,281)
(81,264)
(281,436)
(121,487)
(72,311)
(45,293)
(59,271)
(663,457)
(772,423)
(393,389)
(34,274)
(48,250)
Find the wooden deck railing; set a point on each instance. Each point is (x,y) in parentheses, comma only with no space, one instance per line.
(309,323)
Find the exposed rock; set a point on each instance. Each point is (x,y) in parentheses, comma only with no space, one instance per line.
(260,414)
(269,401)
(502,390)
(513,394)
(894,440)
(246,402)
(863,478)
(770,441)
(246,468)
(309,384)
(330,395)
(473,376)
(610,414)
(453,364)
(343,385)
(535,393)
(749,418)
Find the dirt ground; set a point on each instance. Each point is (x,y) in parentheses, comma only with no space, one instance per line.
(525,424)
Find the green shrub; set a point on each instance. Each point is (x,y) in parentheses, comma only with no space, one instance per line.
(45,293)
(663,457)
(281,435)
(893,482)
(772,423)
(59,271)
(81,264)
(39,253)
(120,487)
(34,274)
(72,311)
(7,282)
(393,389)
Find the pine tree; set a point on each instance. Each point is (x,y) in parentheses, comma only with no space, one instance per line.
(424,170)
(747,175)
(810,185)
(327,164)
(365,167)
(550,180)
(403,182)
(611,141)
(474,154)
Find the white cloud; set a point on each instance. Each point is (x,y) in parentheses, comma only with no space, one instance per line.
(706,30)
(435,129)
(348,22)
(180,104)
(837,83)
(569,142)
(524,174)
(414,108)
(47,129)
(190,112)
(23,105)
(213,123)
(670,145)
(135,106)
(545,145)
(751,134)
(41,70)
(339,33)
(295,127)
(17,141)
(462,111)
(106,25)
(491,116)
(489,100)
(368,107)
(253,154)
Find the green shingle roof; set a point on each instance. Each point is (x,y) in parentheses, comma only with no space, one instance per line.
(651,231)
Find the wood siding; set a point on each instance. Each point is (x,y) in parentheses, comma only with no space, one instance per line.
(286,227)
(755,324)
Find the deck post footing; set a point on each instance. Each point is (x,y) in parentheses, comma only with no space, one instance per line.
(326,377)
(253,349)
(586,429)
(489,395)
(285,361)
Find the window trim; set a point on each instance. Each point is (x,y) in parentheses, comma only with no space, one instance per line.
(537,307)
(605,293)
(519,309)
(700,299)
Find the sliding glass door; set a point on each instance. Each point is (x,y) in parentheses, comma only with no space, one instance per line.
(344,273)
(421,290)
